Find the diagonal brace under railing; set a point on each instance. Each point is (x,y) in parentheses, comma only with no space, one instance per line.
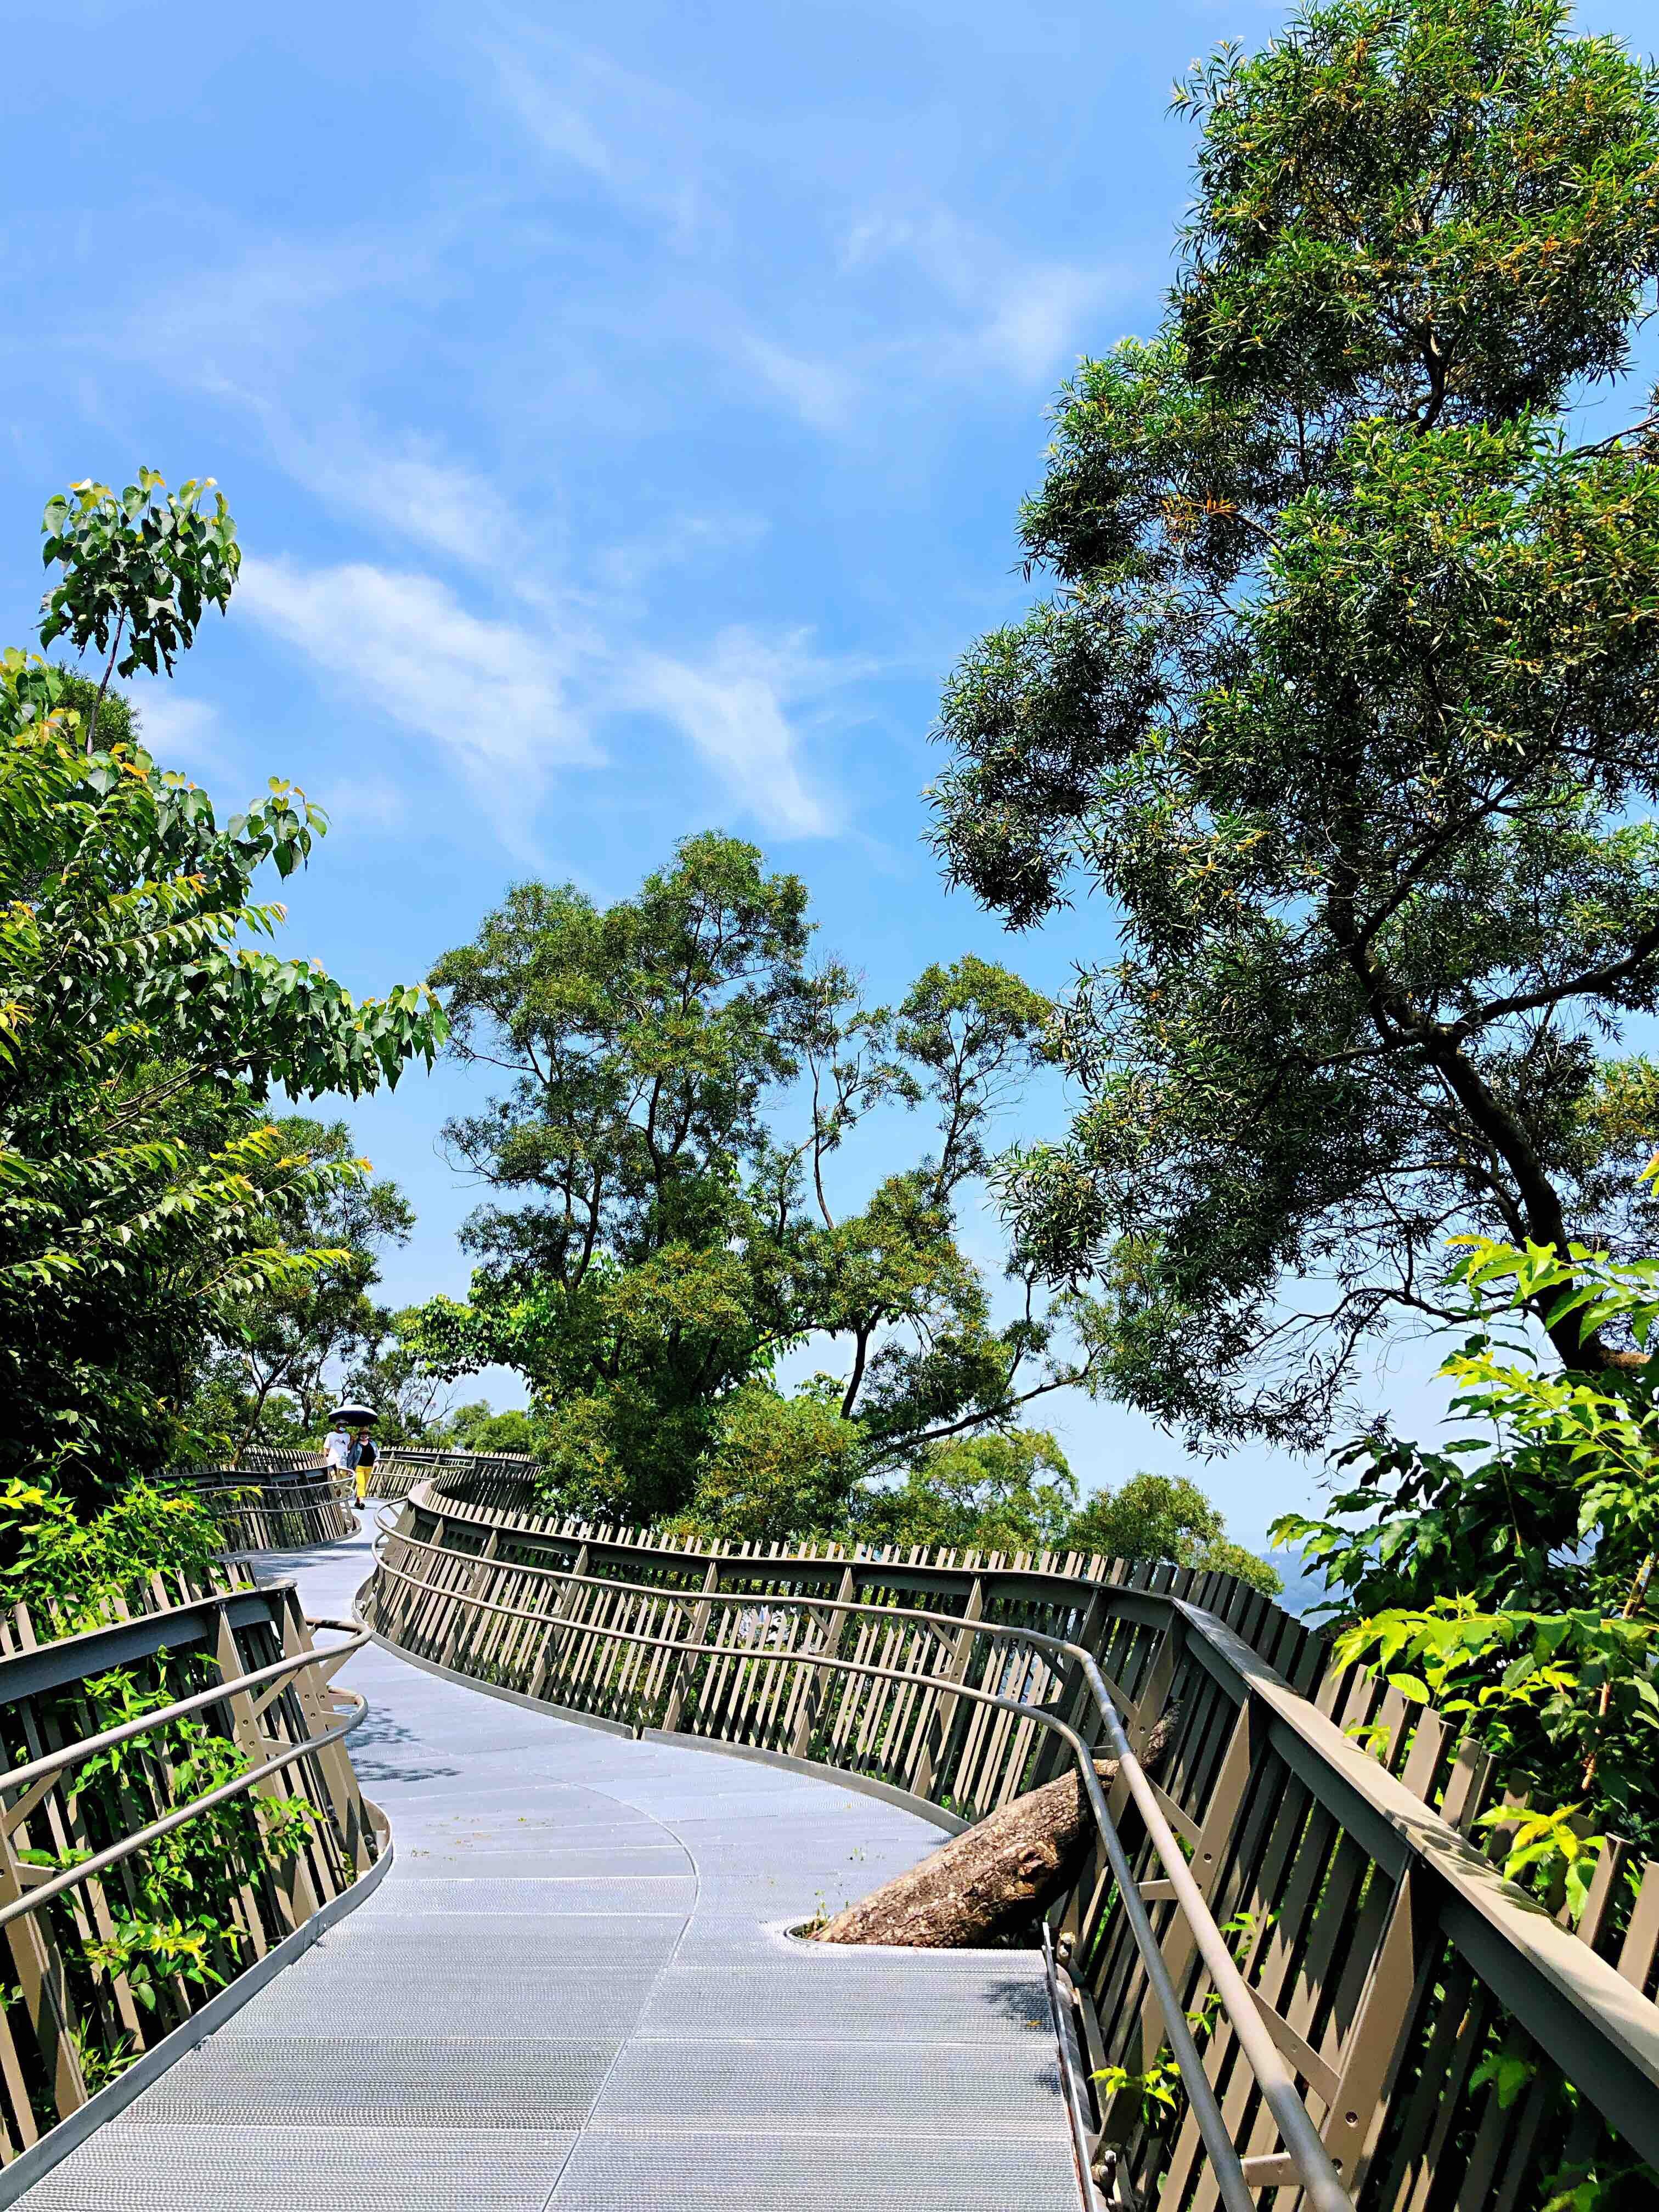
(1317,2173)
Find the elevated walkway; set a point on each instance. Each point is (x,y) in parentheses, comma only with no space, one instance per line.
(575,1989)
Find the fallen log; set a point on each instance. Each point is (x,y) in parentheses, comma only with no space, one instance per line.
(988,1884)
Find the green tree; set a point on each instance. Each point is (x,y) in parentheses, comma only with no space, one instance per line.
(285,1352)
(1162,1517)
(1346,696)
(992,1493)
(1509,1577)
(55,1559)
(117,720)
(779,1469)
(477,1427)
(141,1025)
(682,1076)
(1016,1492)
(387,1372)
(140,566)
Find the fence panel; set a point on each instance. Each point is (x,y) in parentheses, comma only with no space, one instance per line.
(1341,1965)
(175,1800)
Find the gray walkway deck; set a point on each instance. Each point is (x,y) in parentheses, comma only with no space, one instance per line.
(573,1991)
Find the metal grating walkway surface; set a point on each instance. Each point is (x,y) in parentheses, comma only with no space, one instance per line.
(573,1992)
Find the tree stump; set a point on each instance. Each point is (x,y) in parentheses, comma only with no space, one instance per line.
(989,1883)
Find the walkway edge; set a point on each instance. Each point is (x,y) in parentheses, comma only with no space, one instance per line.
(816,1769)
(495,1689)
(27,2168)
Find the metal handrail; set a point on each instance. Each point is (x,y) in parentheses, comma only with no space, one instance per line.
(1568,1996)
(1319,2177)
(69,1755)
(72,1754)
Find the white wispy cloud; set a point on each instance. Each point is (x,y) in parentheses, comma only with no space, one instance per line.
(408,484)
(676,541)
(1037,315)
(441,504)
(492,697)
(1019,316)
(509,708)
(737,708)
(819,389)
(248,317)
(638,140)
(179,733)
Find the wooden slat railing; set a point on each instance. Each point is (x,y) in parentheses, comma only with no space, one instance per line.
(1450,2038)
(186,1704)
(276,1501)
(400,1468)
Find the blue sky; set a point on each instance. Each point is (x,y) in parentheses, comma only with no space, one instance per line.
(624,411)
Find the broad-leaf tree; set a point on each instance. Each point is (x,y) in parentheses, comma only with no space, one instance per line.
(479,1426)
(387,1371)
(682,1076)
(285,1352)
(143,1024)
(1507,1575)
(140,566)
(1346,693)
(1016,1493)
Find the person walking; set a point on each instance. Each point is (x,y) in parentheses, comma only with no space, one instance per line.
(336,1451)
(364,1459)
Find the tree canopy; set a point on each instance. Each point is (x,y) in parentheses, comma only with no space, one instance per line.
(1507,1575)
(1345,692)
(1017,1493)
(663,1227)
(143,1024)
(281,1354)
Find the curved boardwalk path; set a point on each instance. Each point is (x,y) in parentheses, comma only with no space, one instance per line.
(573,1991)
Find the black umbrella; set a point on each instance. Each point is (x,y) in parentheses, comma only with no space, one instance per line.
(354,1416)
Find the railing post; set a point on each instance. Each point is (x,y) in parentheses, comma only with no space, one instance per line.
(554,1642)
(807,1719)
(291,1884)
(1055,1757)
(944,1720)
(1209,1857)
(40,1977)
(318,1709)
(1149,1704)
(699,1634)
(461,1599)
(1370,2052)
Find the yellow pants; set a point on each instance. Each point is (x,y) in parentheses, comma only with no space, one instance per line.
(363,1474)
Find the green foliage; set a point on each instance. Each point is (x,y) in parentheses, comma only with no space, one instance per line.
(1578,2187)
(993,1493)
(1161,1517)
(477,1427)
(1345,695)
(1508,1579)
(141,1024)
(779,1468)
(106,718)
(61,1562)
(1417,211)
(1015,1492)
(284,1351)
(683,1080)
(175,1925)
(137,562)
(385,1369)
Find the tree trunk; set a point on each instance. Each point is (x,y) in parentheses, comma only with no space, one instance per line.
(993,1880)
